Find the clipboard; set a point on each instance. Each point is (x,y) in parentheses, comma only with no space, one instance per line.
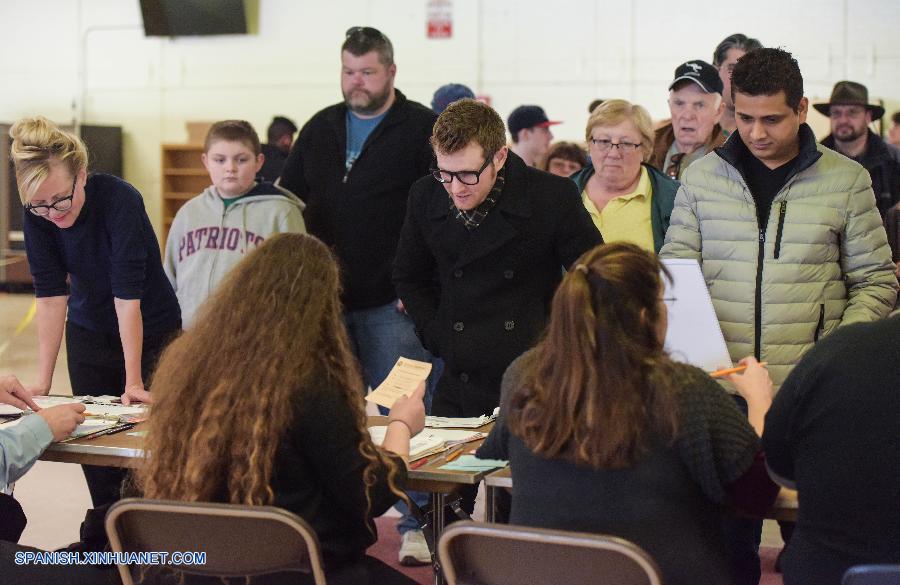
(694,335)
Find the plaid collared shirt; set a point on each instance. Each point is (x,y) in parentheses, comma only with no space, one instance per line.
(473,218)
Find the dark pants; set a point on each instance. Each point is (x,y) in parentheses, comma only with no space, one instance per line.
(12,518)
(453,398)
(97,367)
(742,537)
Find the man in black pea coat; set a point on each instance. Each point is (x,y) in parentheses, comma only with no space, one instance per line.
(482,250)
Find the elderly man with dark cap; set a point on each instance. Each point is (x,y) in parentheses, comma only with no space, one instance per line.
(851,113)
(530,131)
(696,105)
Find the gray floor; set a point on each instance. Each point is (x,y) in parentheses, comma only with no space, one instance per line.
(54,495)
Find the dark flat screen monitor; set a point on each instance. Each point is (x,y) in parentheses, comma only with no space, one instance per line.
(182,18)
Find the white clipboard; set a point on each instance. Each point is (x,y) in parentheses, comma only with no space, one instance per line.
(694,335)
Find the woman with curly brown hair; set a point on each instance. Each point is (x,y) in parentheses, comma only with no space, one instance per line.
(259,404)
(605,433)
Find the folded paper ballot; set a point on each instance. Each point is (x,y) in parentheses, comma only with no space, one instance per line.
(472,463)
(402,380)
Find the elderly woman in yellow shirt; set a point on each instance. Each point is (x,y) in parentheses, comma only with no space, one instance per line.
(628,199)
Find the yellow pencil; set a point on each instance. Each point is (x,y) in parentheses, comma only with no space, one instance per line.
(454,454)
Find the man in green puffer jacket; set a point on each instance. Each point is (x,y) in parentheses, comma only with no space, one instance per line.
(788,237)
(787,232)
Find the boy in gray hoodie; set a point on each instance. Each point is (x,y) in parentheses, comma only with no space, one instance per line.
(213,231)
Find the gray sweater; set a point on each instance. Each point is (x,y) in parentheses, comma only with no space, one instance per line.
(670,501)
(207,240)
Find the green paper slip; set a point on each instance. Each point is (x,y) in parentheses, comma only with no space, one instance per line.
(472,463)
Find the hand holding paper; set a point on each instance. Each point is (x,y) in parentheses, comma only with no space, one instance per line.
(410,410)
(62,419)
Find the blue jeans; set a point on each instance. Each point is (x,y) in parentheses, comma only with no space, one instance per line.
(378,336)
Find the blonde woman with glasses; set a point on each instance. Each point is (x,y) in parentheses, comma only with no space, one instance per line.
(628,200)
(97,272)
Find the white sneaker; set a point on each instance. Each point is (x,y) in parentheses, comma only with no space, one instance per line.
(414,550)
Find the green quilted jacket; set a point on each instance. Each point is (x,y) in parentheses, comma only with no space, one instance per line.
(821,262)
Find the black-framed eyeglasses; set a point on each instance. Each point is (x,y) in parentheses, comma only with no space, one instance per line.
(63,204)
(669,300)
(464,177)
(366,31)
(604,145)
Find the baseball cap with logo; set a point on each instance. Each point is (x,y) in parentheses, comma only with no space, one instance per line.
(528,117)
(701,73)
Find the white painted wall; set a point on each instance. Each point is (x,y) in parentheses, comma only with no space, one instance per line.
(89,58)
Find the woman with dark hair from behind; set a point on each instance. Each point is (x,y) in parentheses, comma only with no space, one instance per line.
(637,445)
(259,404)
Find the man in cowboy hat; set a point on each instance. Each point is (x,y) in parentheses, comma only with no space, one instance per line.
(851,113)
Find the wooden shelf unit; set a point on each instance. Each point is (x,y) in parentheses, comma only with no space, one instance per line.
(183,177)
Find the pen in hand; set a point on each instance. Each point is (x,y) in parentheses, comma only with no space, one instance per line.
(729,371)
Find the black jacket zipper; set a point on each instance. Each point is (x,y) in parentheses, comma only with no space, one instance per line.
(821,324)
(781,213)
(757,337)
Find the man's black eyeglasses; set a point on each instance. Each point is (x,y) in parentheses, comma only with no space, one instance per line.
(63,204)
(464,177)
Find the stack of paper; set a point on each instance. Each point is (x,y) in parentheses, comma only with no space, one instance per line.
(429,442)
(91,426)
(88,427)
(443,422)
(422,445)
(96,406)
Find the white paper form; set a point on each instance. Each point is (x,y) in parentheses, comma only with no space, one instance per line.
(421,445)
(694,335)
(101,409)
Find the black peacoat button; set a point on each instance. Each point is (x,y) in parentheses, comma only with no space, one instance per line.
(508,274)
(464,378)
(509,325)
(457,273)
(459,326)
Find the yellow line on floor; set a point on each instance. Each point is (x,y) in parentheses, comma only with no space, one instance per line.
(23,324)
